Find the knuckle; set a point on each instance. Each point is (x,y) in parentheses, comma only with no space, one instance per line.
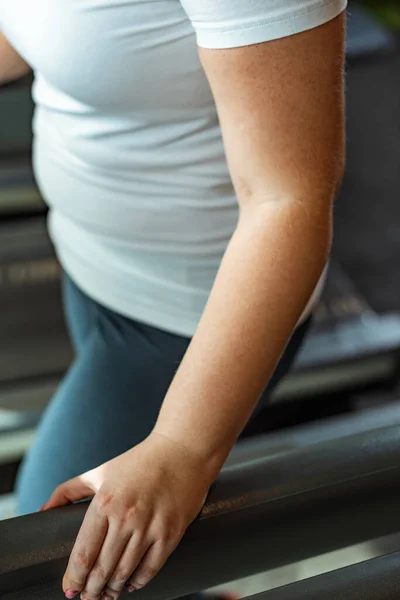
(115,586)
(121,575)
(133,514)
(126,518)
(81,560)
(93,587)
(60,490)
(103,501)
(168,530)
(100,573)
(167,535)
(66,487)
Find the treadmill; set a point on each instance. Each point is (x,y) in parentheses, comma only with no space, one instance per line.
(276,508)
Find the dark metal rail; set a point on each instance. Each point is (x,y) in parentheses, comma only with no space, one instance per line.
(260,515)
(369,580)
(316,432)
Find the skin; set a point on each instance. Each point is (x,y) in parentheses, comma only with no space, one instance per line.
(11,64)
(281,107)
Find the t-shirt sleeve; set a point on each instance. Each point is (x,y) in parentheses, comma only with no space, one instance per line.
(234,23)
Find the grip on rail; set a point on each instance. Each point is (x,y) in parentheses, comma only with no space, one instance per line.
(261,514)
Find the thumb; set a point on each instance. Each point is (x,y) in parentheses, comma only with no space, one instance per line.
(71,491)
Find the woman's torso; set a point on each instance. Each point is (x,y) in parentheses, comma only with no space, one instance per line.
(128,152)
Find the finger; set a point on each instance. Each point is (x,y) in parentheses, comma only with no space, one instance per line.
(155,558)
(107,561)
(131,557)
(86,550)
(70,491)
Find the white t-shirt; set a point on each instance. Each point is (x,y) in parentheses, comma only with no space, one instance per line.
(127,146)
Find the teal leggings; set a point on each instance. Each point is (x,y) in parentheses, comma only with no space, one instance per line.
(110,398)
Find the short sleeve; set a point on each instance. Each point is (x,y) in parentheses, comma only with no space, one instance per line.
(234,23)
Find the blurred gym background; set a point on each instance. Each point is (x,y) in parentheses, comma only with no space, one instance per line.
(350,362)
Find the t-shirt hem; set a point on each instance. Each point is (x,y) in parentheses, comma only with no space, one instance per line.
(179,325)
(124,294)
(182,324)
(270,30)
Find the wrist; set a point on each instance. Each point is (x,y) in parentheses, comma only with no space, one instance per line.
(208,463)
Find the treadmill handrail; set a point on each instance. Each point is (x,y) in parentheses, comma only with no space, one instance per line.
(259,515)
(371,579)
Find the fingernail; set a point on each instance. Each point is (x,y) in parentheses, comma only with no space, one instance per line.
(130,587)
(71,594)
(40,510)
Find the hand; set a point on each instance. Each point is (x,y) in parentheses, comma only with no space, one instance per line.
(143,502)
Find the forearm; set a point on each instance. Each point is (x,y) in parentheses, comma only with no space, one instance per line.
(268,274)
(12,66)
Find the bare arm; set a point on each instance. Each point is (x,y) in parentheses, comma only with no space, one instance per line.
(281,109)
(12,66)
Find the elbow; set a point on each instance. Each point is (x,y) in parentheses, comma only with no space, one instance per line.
(314,197)
(311,184)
